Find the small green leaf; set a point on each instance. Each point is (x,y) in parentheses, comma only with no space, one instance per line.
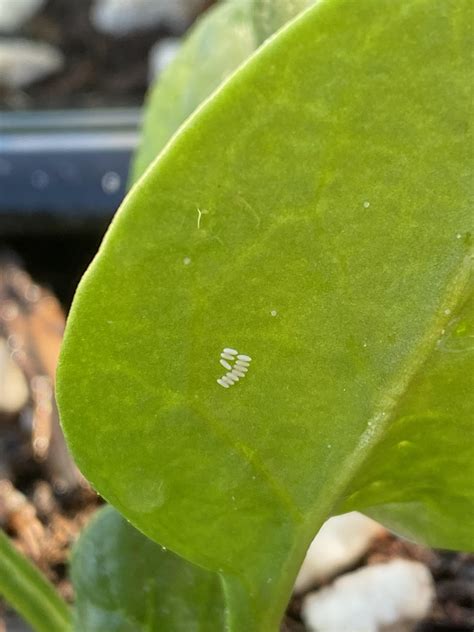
(314,215)
(29,592)
(219,42)
(124,582)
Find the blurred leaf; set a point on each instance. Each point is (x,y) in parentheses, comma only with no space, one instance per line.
(217,44)
(125,582)
(271,15)
(314,215)
(29,592)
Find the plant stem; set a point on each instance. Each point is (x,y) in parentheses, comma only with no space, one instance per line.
(259,605)
(29,592)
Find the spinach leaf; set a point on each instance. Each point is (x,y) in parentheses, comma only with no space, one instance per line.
(313,215)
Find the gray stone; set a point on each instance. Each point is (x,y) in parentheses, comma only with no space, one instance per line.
(23,62)
(14,13)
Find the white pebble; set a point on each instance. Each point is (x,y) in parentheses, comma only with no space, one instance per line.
(23,62)
(231,351)
(341,541)
(225,364)
(14,13)
(122,17)
(371,598)
(246,358)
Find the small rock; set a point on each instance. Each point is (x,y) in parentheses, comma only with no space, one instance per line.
(369,599)
(14,13)
(161,55)
(341,541)
(13,387)
(122,17)
(23,62)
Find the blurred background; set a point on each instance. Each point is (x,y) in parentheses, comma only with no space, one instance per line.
(73,78)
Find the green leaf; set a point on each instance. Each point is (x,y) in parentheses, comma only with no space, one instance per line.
(216,46)
(417,481)
(271,15)
(314,215)
(29,592)
(124,582)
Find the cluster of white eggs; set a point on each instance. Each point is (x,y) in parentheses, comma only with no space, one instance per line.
(235,371)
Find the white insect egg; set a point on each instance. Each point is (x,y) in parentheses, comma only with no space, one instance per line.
(273,312)
(447,312)
(227,356)
(236,364)
(242,363)
(366,204)
(187,261)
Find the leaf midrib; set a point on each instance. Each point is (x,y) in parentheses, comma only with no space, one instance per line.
(385,412)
